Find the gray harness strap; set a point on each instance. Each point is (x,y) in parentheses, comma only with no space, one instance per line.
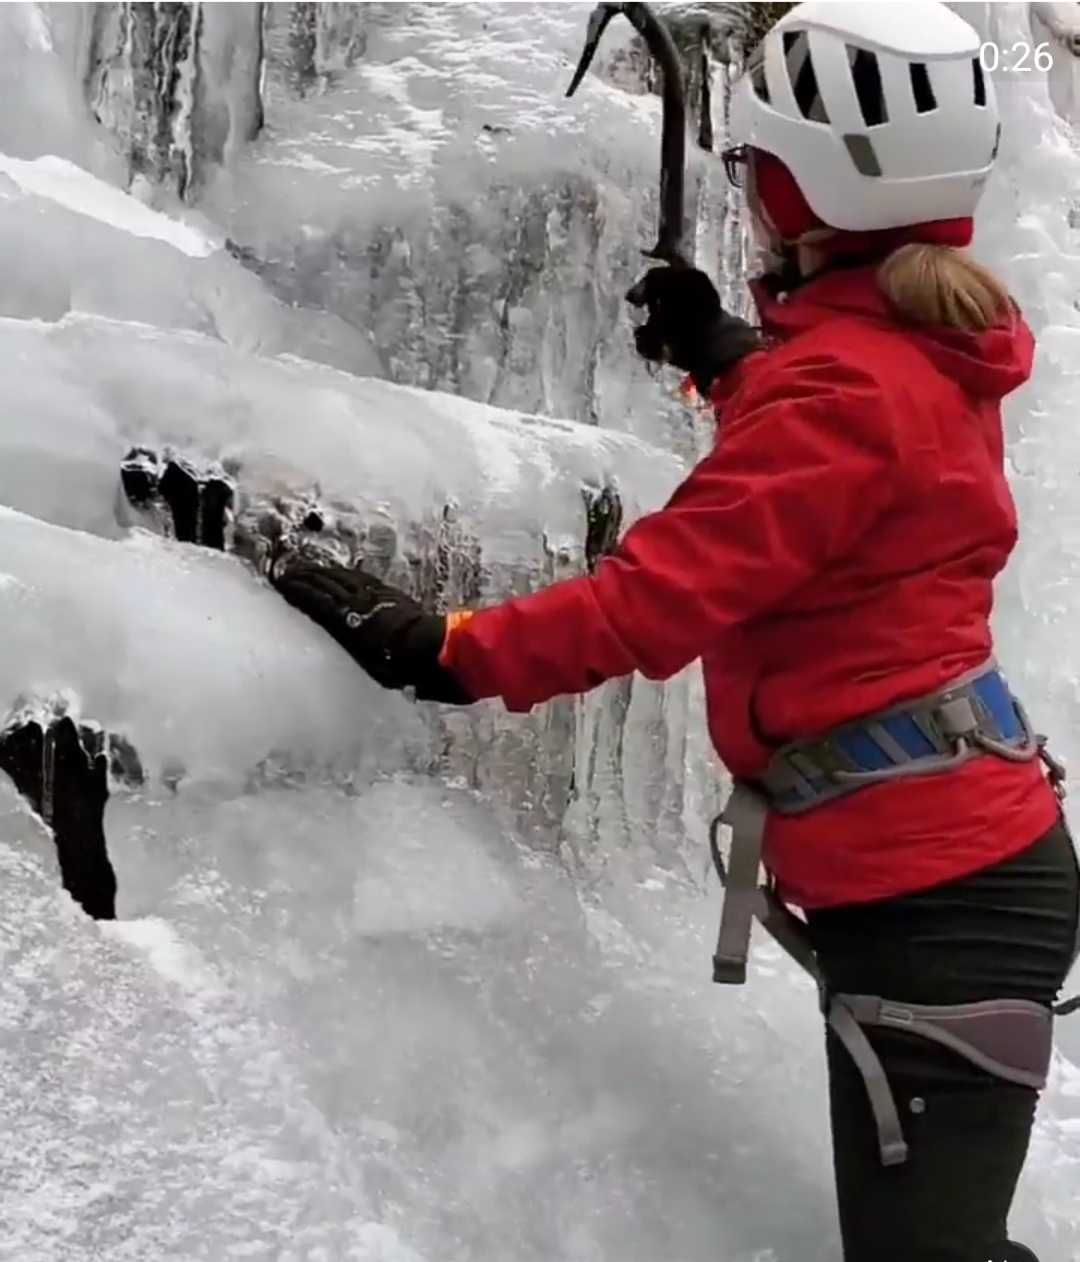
(1010,1038)
(745,815)
(891,1144)
(746,901)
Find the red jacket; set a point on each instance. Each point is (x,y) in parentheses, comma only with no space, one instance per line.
(833,556)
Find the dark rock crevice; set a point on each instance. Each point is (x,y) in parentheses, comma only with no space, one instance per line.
(197,503)
(442,563)
(603,522)
(62,769)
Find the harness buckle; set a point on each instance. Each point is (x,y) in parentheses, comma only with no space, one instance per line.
(956,718)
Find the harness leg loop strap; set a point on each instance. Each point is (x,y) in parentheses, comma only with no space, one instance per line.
(891,1143)
(1009,1038)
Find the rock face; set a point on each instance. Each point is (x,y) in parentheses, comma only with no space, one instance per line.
(389,204)
(459,503)
(61,769)
(178,84)
(196,504)
(482,228)
(415,175)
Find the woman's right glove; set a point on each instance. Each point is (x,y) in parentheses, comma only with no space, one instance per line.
(688,327)
(381,627)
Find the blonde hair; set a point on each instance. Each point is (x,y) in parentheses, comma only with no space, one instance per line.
(937,284)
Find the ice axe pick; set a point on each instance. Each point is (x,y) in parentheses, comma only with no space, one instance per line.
(670,247)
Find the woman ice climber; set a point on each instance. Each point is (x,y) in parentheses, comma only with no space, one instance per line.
(831,563)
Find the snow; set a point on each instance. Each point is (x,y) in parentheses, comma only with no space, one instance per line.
(157,653)
(150,1111)
(98,387)
(59,260)
(70,186)
(1058,27)
(392,983)
(535,1107)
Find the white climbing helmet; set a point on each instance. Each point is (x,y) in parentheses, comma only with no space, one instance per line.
(882,112)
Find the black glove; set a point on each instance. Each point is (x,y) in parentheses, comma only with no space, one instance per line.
(382,628)
(687,326)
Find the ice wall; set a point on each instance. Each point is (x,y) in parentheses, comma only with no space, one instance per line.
(415,178)
(394,983)
(1057,26)
(77,244)
(1026,231)
(386,154)
(355,1005)
(74,242)
(460,503)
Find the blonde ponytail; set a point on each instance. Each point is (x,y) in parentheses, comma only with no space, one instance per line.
(936,284)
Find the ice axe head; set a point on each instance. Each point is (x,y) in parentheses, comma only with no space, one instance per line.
(669,245)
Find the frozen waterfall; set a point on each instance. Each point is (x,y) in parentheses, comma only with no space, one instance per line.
(390,983)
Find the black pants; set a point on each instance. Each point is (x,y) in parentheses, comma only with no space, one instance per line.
(1009,931)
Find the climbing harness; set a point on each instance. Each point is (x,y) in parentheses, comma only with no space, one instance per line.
(973,716)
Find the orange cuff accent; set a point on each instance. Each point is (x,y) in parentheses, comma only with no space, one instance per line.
(454,619)
(687,390)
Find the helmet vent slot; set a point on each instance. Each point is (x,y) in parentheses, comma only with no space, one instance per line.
(980,82)
(866,75)
(804,84)
(861,150)
(925,101)
(758,80)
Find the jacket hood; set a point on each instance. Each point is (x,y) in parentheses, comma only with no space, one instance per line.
(990,364)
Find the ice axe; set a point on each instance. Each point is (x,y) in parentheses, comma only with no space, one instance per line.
(669,244)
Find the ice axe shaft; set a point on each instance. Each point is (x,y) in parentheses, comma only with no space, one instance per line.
(670,245)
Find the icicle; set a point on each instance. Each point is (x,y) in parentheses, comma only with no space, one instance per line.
(181,99)
(48,775)
(705,125)
(261,72)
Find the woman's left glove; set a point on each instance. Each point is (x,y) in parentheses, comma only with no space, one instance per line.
(380,627)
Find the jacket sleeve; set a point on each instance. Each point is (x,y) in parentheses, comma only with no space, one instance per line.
(807,459)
